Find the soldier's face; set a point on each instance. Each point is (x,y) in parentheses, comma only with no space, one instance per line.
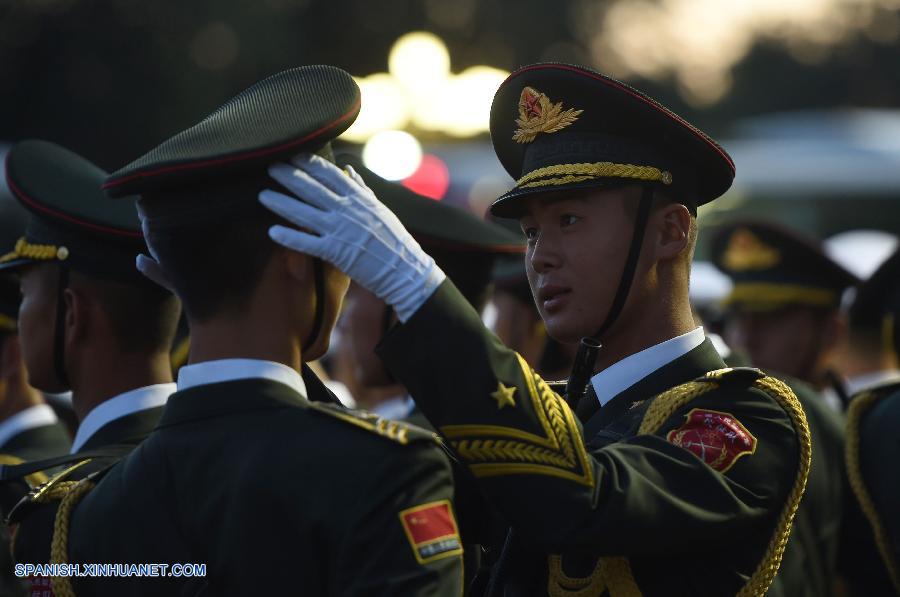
(37,325)
(577,244)
(789,340)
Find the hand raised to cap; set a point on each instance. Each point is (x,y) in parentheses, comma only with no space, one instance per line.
(345,224)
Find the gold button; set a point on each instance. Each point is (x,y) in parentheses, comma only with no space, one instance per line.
(62,253)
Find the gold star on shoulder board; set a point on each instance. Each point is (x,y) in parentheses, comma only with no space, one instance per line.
(504,396)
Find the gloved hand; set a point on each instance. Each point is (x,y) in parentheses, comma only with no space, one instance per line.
(347,226)
(149,264)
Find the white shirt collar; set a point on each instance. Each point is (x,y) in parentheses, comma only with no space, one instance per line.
(120,406)
(222,370)
(38,415)
(620,376)
(395,408)
(866,381)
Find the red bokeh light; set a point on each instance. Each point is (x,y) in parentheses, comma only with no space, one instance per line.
(432,179)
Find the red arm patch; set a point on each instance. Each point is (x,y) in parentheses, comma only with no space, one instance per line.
(716,438)
(431,530)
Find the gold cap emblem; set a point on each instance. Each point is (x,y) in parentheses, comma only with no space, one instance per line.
(746,252)
(537,114)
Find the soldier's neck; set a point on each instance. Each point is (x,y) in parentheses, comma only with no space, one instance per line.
(244,339)
(106,376)
(640,329)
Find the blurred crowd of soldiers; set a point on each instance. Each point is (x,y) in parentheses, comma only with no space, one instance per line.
(183,380)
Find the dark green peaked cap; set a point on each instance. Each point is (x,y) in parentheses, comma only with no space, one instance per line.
(879,296)
(558,127)
(297,110)
(773,267)
(435,224)
(70,219)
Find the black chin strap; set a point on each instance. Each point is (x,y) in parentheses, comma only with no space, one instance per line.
(587,350)
(319,276)
(59,339)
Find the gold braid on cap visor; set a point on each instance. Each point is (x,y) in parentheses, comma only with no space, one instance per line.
(25,249)
(560,174)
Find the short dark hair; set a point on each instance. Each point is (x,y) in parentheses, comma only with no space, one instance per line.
(216,266)
(143,315)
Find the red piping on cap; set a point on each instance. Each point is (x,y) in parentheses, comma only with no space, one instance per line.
(62,216)
(621,87)
(224,160)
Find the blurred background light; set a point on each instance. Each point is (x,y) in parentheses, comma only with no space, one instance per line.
(393,155)
(431,178)
(420,61)
(385,106)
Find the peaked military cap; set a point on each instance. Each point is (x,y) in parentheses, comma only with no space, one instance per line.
(878,298)
(558,126)
(773,267)
(294,111)
(70,219)
(434,223)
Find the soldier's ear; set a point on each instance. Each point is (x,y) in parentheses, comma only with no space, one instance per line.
(673,231)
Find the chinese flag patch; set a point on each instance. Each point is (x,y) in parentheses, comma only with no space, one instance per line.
(717,438)
(432,531)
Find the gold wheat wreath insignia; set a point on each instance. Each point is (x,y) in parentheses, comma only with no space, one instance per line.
(537,114)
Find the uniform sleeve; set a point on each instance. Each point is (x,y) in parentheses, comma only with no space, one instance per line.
(402,537)
(524,445)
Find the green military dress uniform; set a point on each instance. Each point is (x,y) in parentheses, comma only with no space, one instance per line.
(873,449)
(71,223)
(684,483)
(273,492)
(772,267)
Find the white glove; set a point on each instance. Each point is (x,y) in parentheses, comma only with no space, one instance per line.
(347,226)
(149,264)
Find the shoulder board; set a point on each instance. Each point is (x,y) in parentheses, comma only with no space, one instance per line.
(52,490)
(733,376)
(398,431)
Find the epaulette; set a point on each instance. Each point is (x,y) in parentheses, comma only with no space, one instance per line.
(398,431)
(56,488)
(733,376)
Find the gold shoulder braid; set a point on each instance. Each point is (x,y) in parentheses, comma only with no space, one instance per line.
(858,407)
(617,573)
(492,450)
(39,252)
(59,546)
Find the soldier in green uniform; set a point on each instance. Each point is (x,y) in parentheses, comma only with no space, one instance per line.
(464,247)
(245,473)
(784,307)
(782,282)
(683,477)
(89,322)
(873,450)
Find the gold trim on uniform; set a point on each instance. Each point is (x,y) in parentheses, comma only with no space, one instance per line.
(616,571)
(858,407)
(764,296)
(491,450)
(394,430)
(558,174)
(34,479)
(504,395)
(537,114)
(24,249)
